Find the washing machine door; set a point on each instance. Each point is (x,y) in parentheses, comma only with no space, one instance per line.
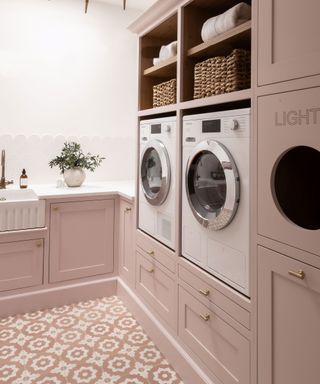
(212,184)
(155,172)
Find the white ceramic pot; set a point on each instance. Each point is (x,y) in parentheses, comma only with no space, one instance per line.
(74,177)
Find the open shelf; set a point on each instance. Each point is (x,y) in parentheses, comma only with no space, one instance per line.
(244,94)
(165,69)
(239,35)
(158,110)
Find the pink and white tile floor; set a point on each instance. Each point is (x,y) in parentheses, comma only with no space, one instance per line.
(93,342)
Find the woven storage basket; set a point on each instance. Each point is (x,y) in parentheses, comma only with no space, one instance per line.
(222,74)
(164,93)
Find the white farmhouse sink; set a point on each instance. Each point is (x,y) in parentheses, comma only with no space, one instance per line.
(21,209)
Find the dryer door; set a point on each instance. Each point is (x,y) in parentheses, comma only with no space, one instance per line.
(212,184)
(155,172)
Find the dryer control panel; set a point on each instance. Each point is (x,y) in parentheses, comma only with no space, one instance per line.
(235,123)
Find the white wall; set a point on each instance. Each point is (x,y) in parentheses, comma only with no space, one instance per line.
(65,73)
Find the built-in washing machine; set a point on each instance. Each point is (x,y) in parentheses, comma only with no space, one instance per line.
(289,168)
(215,194)
(156,207)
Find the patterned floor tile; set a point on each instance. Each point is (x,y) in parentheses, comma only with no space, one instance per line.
(92,342)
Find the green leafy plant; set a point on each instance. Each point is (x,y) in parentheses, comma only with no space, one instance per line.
(72,156)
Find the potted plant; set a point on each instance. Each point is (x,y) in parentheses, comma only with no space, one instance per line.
(72,162)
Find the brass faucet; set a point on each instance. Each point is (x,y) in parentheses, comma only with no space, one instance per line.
(3,181)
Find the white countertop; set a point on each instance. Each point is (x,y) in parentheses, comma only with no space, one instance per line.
(125,189)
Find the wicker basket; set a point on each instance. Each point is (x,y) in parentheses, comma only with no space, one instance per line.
(164,93)
(222,74)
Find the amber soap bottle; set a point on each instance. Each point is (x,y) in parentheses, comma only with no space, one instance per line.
(23,179)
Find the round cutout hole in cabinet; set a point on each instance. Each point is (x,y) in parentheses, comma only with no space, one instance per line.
(295,185)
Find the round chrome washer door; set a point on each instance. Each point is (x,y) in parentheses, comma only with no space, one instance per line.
(212,185)
(155,172)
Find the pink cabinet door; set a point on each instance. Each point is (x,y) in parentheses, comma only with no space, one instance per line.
(21,264)
(224,350)
(126,249)
(157,287)
(288,320)
(81,239)
(288,40)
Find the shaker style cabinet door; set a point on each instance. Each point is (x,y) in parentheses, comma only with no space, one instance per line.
(126,249)
(288,320)
(81,239)
(21,264)
(288,40)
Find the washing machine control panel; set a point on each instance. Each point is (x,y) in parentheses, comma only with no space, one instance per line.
(155,129)
(216,125)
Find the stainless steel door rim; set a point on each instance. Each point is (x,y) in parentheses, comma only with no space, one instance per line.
(155,169)
(212,184)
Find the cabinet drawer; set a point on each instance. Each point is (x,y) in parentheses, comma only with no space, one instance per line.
(208,293)
(21,264)
(156,287)
(151,247)
(225,351)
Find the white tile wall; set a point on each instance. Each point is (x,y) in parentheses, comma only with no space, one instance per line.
(34,153)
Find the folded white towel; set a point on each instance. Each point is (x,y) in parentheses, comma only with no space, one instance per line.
(166,51)
(234,16)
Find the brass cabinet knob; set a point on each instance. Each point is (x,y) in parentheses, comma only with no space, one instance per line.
(55,208)
(151,270)
(299,274)
(204,292)
(205,317)
(39,243)
(151,253)
(128,209)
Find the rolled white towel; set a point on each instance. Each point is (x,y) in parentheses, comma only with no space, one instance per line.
(167,51)
(234,16)
(156,61)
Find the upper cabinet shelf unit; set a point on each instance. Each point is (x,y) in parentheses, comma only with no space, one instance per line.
(150,74)
(195,50)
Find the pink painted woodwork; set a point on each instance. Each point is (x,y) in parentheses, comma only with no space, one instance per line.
(126,248)
(156,285)
(81,239)
(21,264)
(148,246)
(286,120)
(288,40)
(288,320)
(225,351)
(209,294)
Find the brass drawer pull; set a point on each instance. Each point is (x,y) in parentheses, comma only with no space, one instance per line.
(151,253)
(128,209)
(300,274)
(55,208)
(205,317)
(39,243)
(150,270)
(204,292)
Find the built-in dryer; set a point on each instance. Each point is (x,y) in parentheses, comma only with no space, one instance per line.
(156,205)
(215,194)
(289,168)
